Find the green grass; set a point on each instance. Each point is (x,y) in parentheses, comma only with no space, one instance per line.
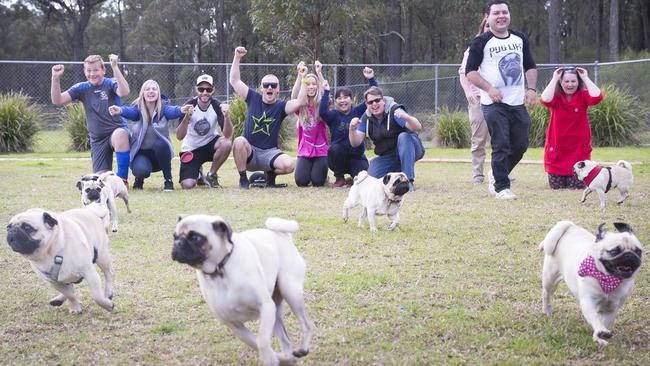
(450,286)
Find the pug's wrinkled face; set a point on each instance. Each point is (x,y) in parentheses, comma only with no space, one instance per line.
(30,231)
(395,185)
(618,254)
(582,168)
(91,189)
(197,238)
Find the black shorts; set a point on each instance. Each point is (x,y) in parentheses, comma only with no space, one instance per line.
(191,161)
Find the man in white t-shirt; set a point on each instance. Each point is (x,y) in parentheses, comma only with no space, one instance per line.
(201,142)
(500,63)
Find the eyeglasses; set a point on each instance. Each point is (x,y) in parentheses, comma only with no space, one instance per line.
(272,85)
(204,90)
(373,101)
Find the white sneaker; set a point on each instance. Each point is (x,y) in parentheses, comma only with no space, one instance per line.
(491,183)
(512,178)
(506,194)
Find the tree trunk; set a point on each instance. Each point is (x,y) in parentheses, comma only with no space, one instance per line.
(644,13)
(394,33)
(613,30)
(554,31)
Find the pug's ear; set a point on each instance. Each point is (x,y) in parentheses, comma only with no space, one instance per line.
(180,217)
(48,220)
(223,229)
(79,185)
(386,178)
(581,164)
(623,227)
(601,232)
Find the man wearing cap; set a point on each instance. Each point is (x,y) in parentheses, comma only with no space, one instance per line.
(257,148)
(201,142)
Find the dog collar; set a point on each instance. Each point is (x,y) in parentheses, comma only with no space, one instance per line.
(608,283)
(53,273)
(219,270)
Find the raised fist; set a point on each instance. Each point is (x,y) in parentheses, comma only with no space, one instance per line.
(114,110)
(113,59)
(368,73)
(240,52)
(57,70)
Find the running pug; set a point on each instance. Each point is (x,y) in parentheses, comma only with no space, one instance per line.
(247,276)
(98,192)
(378,197)
(601,179)
(599,270)
(63,247)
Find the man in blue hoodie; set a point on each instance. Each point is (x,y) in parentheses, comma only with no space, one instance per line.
(394,133)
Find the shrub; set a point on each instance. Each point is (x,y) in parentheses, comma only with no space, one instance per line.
(453,129)
(618,119)
(540,116)
(74,121)
(287,137)
(19,122)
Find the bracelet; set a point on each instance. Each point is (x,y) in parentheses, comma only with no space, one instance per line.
(533,89)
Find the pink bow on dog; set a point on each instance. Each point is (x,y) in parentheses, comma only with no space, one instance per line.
(588,268)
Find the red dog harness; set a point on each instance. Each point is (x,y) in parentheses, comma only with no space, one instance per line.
(594,172)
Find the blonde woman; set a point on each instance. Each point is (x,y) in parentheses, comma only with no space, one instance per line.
(311,166)
(151,147)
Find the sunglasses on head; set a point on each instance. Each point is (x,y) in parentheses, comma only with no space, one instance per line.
(272,85)
(204,90)
(569,69)
(373,101)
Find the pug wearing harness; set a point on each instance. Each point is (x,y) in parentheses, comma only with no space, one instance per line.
(378,197)
(98,193)
(63,247)
(599,270)
(601,179)
(247,276)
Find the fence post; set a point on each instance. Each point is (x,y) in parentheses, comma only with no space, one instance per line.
(435,98)
(336,77)
(596,72)
(227,84)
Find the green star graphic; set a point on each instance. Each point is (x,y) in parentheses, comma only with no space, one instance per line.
(263,124)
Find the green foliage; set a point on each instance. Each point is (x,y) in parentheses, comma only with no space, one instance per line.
(74,121)
(630,76)
(18,122)
(540,116)
(618,119)
(453,129)
(237,111)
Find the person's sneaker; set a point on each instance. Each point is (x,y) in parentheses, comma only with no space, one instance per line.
(491,183)
(270,178)
(506,194)
(479,179)
(138,183)
(512,178)
(340,182)
(168,186)
(212,180)
(411,187)
(200,180)
(349,181)
(244,183)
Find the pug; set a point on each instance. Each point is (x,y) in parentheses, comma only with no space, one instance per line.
(63,247)
(598,269)
(98,192)
(378,197)
(247,276)
(601,179)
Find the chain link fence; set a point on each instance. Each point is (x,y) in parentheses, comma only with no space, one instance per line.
(423,88)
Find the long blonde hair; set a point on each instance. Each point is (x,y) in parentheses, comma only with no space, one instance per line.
(303,114)
(142,104)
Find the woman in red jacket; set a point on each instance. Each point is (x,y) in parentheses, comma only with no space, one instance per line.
(568,137)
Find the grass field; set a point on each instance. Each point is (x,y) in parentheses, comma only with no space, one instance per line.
(457,283)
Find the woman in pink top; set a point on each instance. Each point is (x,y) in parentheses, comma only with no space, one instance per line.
(311,166)
(480,132)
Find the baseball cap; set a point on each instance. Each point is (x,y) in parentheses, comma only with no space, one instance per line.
(205,78)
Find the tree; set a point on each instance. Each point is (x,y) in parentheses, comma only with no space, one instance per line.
(613,30)
(554,31)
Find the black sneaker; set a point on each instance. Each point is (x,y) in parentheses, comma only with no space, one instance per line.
(244,183)
(200,180)
(138,183)
(212,180)
(169,186)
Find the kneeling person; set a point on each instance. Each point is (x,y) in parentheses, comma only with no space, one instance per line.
(201,142)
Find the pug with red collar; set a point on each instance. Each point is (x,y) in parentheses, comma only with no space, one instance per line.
(601,179)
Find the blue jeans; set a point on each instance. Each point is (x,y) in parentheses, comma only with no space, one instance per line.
(151,160)
(409,150)
(341,161)
(509,127)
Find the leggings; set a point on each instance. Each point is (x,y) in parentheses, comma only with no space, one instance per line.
(564,181)
(311,170)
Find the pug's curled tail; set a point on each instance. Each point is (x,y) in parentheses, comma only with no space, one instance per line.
(553,237)
(282,225)
(360,177)
(624,164)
